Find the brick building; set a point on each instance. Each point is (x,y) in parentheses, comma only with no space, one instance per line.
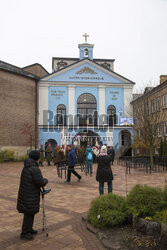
(150,115)
(18,102)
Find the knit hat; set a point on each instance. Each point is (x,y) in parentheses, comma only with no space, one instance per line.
(103,149)
(34,154)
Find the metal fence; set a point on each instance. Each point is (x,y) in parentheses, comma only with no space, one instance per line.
(143,163)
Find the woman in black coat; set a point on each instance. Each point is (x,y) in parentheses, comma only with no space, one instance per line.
(29,193)
(104,171)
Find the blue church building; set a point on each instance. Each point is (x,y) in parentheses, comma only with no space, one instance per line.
(84,101)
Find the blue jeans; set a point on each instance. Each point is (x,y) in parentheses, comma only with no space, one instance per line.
(89,165)
(101,187)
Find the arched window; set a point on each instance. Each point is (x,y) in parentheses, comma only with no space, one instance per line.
(87,110)
(86,52)
(111,113)
(61,114)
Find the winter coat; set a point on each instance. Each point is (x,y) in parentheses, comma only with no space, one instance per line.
(42,158)
(49,153)
(55,158)
(29,191)
(61,156)
(89,150)
(104,171)
(111,154)
(71,157)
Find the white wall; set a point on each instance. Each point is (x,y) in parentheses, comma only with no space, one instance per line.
(101,103)
(43,103)
(71,103)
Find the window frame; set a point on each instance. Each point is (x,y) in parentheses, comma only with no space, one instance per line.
(159,130)
(153,106)
(165,102)
(61,118)
(158,104)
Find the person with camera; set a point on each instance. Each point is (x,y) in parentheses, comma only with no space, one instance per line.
(104,171)
(28,200)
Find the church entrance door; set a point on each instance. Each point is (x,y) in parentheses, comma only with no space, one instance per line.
(85,138)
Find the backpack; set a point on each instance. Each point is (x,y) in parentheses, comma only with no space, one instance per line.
(89,156)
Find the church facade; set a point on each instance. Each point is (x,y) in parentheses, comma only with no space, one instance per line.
(84,101)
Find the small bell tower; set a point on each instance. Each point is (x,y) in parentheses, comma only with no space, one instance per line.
(85,49)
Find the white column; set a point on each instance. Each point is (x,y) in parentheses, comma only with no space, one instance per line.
(102,103)
(128,97)
(71,104)
(43,103)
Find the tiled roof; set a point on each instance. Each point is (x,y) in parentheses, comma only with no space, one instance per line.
(17,70)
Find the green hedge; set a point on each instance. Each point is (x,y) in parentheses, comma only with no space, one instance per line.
(145,201)
(161,216)
(9,156)
(107,211)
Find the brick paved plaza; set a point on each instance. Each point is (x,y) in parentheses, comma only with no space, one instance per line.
(64,206)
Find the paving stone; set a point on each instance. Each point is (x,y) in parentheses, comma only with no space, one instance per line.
(65,205)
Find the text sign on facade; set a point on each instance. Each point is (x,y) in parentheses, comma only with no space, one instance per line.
(57,93)
(114,95)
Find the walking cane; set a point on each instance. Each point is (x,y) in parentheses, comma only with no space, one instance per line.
(43,192)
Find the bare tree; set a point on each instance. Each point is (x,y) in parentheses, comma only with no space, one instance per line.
(29,133)
(147,125)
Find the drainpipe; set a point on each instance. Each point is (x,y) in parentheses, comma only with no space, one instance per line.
(36,113)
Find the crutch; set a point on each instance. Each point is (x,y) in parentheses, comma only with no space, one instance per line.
(43,192)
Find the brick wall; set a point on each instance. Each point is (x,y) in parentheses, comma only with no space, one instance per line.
(37,70)
(17,109)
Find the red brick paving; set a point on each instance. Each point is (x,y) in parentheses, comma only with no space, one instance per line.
(64,207)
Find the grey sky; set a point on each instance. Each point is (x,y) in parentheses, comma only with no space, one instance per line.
(134,32)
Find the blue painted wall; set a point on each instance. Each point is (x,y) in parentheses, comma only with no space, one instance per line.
(115,96)
(116,133)
(45,136)
(56,96)
(73,76)
(82,54)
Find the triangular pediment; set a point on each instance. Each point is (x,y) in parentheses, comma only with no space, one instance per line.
(86,71)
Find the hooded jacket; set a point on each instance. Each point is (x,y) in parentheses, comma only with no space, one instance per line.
(89,150)
(29,191)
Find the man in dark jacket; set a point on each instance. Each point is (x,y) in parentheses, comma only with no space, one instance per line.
(71,164)
(29,193)
(111,153)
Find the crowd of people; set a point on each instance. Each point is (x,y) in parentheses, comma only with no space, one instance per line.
(31,180)
(60,153)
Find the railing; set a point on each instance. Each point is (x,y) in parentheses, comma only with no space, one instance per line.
(143,162)
(62,167)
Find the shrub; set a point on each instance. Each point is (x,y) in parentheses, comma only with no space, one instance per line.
(7,155)
(161,216)
(165,193)
(21,158)
(107,211)
(145,201)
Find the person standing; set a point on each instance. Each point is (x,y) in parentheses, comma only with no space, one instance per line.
(71,164)
(89,159)
(111,153)
(104,171)
(49,154)
(55,157)
(28,200)
(42,158)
